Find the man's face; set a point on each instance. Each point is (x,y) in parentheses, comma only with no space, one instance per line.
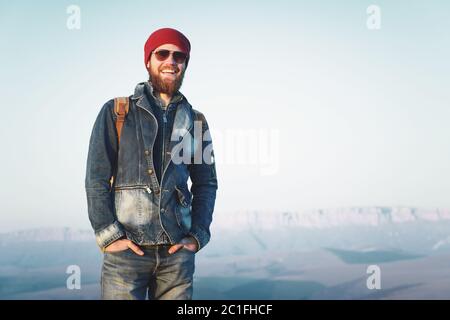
(166,76)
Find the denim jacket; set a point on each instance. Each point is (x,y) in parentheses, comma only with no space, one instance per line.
(128,207)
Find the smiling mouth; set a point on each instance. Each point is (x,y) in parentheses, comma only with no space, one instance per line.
(168,72)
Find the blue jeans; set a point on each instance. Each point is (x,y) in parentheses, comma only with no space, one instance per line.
(158,274)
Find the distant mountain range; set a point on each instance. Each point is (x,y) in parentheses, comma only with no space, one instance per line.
(320,253)
(329,218)
(416,230)
(47,234)
(412,229)
(257,220)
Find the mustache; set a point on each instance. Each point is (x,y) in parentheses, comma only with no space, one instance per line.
(174,69)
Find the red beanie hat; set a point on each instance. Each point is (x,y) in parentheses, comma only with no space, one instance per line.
(164,36)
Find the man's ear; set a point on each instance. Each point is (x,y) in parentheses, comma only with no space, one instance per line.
(148,64)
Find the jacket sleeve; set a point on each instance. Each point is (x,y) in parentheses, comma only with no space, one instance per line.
(101,164)
(204,186)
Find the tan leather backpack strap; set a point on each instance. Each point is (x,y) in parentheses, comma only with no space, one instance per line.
(121,107)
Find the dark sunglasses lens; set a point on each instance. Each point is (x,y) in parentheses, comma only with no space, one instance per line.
(179,57)
(162,55)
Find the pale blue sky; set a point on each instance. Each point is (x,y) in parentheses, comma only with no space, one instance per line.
(362,115)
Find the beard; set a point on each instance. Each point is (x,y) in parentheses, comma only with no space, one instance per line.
(166,86)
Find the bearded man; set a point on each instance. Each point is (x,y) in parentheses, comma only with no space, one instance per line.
(148,223)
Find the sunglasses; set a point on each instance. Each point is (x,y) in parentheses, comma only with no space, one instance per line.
(178,56)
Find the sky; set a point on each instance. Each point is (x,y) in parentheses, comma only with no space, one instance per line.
(308,107)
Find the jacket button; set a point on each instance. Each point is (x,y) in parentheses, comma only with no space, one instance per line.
(156,191)
(163,210)
(150,171)
(147,152)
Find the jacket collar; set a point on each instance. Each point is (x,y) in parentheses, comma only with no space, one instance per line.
(140,90)
(183,121)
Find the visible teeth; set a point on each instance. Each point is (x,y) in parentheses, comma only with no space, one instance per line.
(168,71)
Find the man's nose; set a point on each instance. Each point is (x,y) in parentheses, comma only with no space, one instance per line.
(171,60)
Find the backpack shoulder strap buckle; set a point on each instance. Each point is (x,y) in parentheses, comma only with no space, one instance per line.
(121,108)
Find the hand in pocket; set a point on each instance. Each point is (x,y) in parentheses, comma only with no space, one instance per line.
(122,245)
